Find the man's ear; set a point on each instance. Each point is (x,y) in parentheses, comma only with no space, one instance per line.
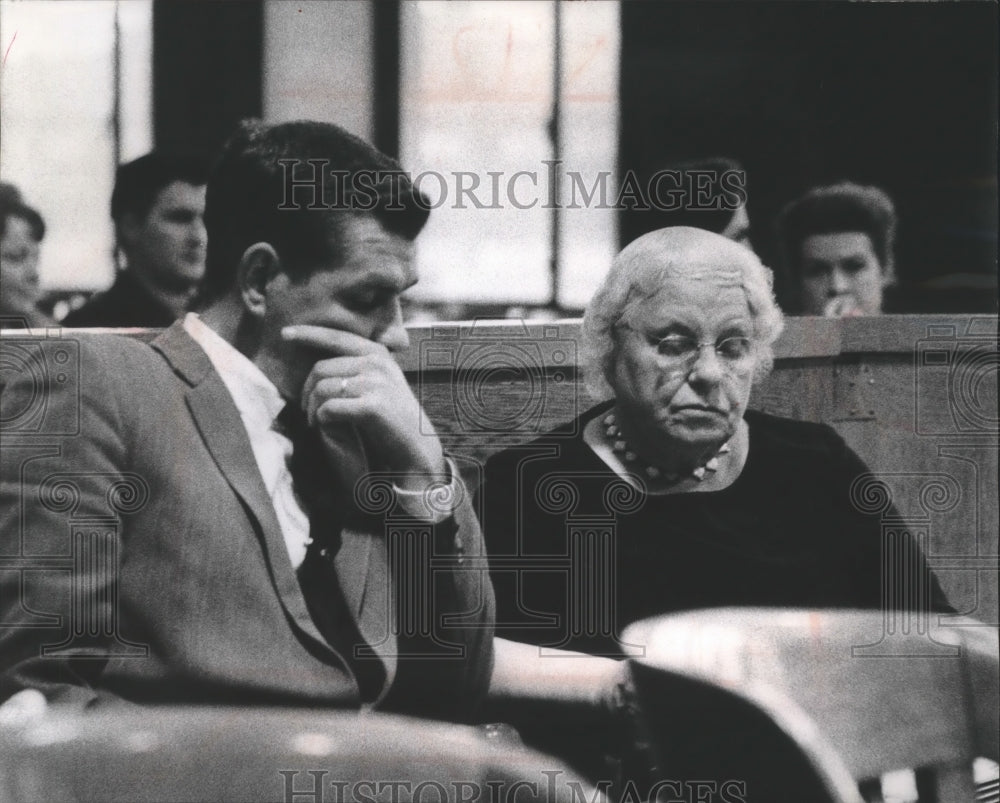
(259,264)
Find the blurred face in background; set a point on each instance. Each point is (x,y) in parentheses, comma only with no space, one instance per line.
(19,284)
(167,246)
(841,275)
(738,229)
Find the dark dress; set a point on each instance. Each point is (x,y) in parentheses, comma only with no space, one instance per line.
(125,303)
(577,555)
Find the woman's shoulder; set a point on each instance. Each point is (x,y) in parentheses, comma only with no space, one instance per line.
(563,443)
(793,436)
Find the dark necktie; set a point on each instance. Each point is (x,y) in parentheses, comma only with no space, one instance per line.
(325,504)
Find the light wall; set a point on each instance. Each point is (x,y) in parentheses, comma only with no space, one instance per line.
(57,127)
(319,63)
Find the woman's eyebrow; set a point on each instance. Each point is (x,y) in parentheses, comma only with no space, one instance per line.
(670,328)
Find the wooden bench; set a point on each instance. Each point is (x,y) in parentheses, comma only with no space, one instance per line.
(915,396)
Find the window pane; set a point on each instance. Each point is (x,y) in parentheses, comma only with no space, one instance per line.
(57,97)
(318,63)
(135,25)
(477,99)
(589,148)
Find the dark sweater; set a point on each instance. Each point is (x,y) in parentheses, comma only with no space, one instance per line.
(125,303)
(574,573)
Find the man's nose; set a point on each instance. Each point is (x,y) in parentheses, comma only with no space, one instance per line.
(25,267)
(198,232)
(394,335)
(30,269)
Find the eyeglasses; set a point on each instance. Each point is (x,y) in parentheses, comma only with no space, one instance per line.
(682,351)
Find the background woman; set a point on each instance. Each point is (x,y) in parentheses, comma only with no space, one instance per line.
(21,231)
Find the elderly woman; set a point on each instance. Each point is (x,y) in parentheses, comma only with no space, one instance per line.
(673,495)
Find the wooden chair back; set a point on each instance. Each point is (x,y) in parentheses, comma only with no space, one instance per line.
(925,701)
(238,754)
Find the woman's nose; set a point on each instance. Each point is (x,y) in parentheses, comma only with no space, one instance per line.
(707,365)
(839,282)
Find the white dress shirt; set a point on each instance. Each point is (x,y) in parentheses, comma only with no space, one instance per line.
(259,404)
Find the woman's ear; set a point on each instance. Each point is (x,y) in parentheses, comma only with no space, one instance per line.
(259,264)
(609,362)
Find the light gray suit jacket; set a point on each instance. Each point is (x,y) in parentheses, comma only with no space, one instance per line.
(141,558)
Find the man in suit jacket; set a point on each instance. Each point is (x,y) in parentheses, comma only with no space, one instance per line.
(156,541)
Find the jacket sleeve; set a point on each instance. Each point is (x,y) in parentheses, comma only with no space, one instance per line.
(445,664)
(63,489)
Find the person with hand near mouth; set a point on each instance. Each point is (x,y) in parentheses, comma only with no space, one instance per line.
(294,534)
(838,244)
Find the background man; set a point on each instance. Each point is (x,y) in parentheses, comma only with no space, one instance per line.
(837,244)
(158,207)
(707,193)
(262,464)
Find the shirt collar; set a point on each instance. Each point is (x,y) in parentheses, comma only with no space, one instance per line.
(256,397)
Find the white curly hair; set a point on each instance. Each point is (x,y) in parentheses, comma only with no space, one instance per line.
(639,271)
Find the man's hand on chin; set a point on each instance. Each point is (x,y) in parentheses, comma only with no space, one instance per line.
(359,400)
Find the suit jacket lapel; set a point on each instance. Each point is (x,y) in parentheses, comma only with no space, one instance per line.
(214,413)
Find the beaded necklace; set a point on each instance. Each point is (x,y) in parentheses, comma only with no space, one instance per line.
(628,455)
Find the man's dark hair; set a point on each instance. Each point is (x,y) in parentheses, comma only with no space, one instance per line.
(719,182)
(842,207)
(137,183)
(294,185)
(13,205)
